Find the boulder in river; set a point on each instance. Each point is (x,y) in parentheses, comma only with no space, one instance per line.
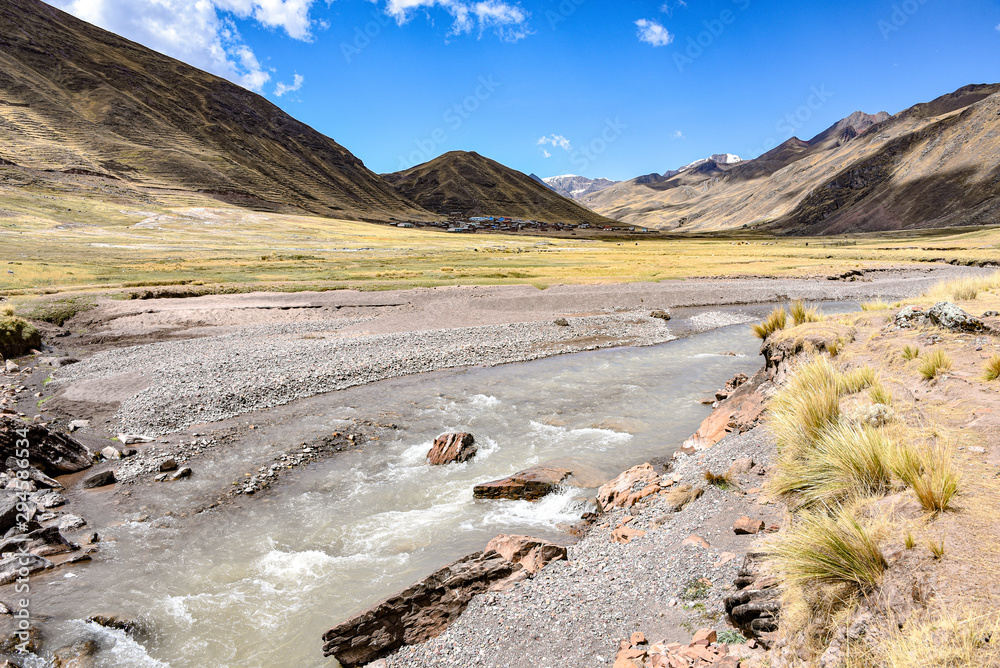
(741,411)
(11,567)
(418,613)
(529,485)
(449,448)
(51,452)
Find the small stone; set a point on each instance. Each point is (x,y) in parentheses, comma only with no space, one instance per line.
(694,539)
(71,523)
(168,464)
(100,479)
(637,638)
(129,439)
(660,314)
(12,366)
(181,473)
(111,453)
(562,322)
(704,637)
(78,424)
(745,525)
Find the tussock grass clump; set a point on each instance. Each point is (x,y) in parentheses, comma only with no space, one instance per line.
(931,475)
(992,371)
(879,394)
(802,314)
(879,305)
(772,323)
(936,548)
(945,640)
(717,479)
(830,547)
(858,379)
(933,363)
(847,461)
(910,352)
(910,542)
(964,289)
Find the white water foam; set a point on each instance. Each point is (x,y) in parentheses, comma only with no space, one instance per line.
(559,508)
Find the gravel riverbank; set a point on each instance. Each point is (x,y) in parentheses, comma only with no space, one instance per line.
(575,612)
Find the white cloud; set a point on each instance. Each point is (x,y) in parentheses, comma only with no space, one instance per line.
(652,32)
(283,88)
(507,21)
(555,140)
(198,32)
(998,27)
(677,134)
(546,154)
(668,7)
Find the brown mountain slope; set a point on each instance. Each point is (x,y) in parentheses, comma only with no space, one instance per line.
(933,165)
(75,99)
(474,185)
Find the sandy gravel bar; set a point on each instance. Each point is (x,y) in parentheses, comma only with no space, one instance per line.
(171,363)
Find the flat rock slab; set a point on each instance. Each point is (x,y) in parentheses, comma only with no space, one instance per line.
(51,452)
(532,553)
(528,485)
(418,613)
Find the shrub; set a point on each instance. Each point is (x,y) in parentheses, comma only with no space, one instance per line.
(832,548)
(730,637)
(802,315)
(772,323)
(932,364)
(17,336)
(992,368)
(910,352)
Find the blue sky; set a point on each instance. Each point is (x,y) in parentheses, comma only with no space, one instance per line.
(592,87)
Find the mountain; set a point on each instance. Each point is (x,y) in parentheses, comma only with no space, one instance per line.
(576,187)
(81,104)
(936,164)
(473,185)
(718,158)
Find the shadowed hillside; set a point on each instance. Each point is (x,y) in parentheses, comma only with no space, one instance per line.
(81,104)
(474,185)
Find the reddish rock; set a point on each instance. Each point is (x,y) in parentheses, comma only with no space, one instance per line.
(449,448)
(418,613)
(624,534)
(740,467)
(533,554)
(696,540)
(637,638)
(530,484)
(745,525)
(619,492)
(740,412)
(704,637)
